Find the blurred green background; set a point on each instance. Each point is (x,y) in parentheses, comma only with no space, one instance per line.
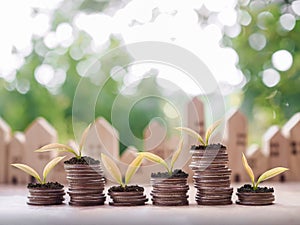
(264,34)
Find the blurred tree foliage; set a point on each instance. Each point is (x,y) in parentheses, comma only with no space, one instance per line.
(55,103)
(267,105)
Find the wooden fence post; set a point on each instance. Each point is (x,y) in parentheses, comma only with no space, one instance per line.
(5,135)
(291,131)
(196,121)
(103,137)
(257,161)
(38,134)
(59,170)
(16,154)
(276,146)
(157,142)
(236,130)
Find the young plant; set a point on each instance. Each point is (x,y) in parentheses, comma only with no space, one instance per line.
(65,148)
(115,172)
(155,158)
(204,141)
(265,176)
(32,172)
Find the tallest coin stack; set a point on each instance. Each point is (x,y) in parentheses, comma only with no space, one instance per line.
(211,174)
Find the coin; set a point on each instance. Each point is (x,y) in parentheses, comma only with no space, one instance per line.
(86,184)
(211,175)
(253,198)
(127,198)
(41,196)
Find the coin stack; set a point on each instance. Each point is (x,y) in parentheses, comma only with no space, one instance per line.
(127,198)
(211,175)
(250,198)
(41,196)
(169,191)
(86,184)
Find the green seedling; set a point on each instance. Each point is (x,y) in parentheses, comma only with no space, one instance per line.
(115,172)
(265,176)
(155,158)
(65,148)
(32,172)
(204,141)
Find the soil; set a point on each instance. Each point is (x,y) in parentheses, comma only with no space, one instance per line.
(176,174)
(130,188)
(248,188)
(49,185)
(85,160)
(208,147)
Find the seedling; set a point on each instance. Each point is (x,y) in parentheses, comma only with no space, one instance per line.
(155,158)
(204,141)
(115,172)
(265,176)
(65,148)
(32,172)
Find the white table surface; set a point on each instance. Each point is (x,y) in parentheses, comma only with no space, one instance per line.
(286,210)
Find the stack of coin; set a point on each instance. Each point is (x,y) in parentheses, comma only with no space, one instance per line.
(253,198)
(42,196)
(169,191)
(86,184)
(127,198)
(211,175)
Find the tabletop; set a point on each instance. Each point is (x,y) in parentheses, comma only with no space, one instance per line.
(286,210)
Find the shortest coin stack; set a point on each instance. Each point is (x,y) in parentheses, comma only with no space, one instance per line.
(86,184)
(211,175)
(169,191)
(249,198)
(260,196)
(45,196)
(128,198)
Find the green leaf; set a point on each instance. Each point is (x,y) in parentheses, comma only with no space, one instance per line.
(191,133)
(210,130)
(112,168)
(57,147)
(176,154)
(83,138)
(28,170)
(133,167)
(270,173)
(248,169)
(50,166)
(155,158)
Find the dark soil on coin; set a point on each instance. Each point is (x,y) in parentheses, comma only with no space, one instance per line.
(248,188)
(130,188)
(49,185)
(85,160)
(176,174)
(208,147)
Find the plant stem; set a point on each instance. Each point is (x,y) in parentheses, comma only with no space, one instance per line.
(170,171)
(254,187)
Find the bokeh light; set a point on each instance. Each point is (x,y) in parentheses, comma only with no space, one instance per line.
(282,60)
(270,77)
(287,21)
(257,41)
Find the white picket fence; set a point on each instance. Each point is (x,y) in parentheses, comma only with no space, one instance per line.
(281,147)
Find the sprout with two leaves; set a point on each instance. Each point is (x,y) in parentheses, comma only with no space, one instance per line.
(65,148)
(32,172)
(155,158)
(265,176)
(115,172)
(203,141)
